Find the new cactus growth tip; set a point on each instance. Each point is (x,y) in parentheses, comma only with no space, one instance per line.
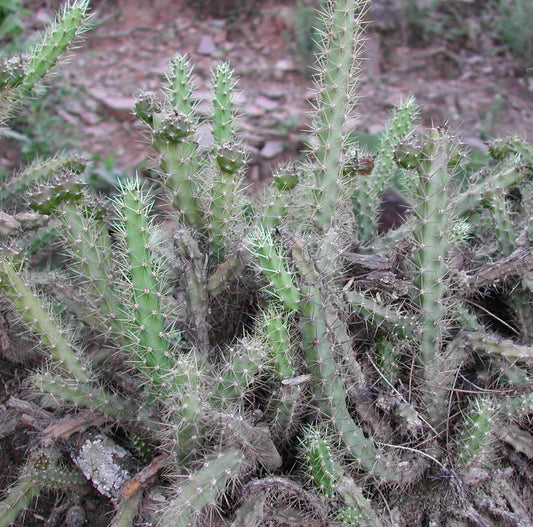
(285,360)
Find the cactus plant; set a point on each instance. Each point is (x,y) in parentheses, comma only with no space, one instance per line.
(290,361)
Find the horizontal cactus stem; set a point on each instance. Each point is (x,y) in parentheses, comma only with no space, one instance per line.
(472,197)
(38,172)
(95,398)
(494,345)
(378,314)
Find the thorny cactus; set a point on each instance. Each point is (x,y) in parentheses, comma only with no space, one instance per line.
(285,360)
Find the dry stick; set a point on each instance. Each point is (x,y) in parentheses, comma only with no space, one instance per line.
(518,262)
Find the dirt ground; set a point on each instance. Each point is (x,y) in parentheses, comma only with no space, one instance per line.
(469,84)
(472,87)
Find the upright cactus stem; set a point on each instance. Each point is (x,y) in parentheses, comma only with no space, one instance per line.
(223,86)
(180,82)
(431,236)
(340,43)
(174,125)
(370,188)
(90,248)
(150,344)
(273,265)
(224,209)
(477,437)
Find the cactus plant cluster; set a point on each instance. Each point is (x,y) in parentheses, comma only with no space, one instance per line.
(292,363)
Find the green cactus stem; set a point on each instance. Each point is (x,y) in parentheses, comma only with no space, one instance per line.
(93,397)
(328,476)
(201,489)
(244,365)
(331,394)
(279,196)
(379,314)
(89,246)
(503,227)
(340,49)
(39,172)
(225,271)
(429,256)
(494,345)
(225,178)
(41,322)
(180,84)
(149,339)
(41,471)
(476,441)
(64,188)
(369,189)
(70,24)
(503,176)
(273,325)
(273,265)
(223,88)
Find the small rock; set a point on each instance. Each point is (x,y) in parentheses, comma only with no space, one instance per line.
(271,149)
(266,103)
(206,46)
(42,18)
(285,65)
(253,111)
(204,137)
(119,107)
(274,92)
(90,118)
(374,128)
